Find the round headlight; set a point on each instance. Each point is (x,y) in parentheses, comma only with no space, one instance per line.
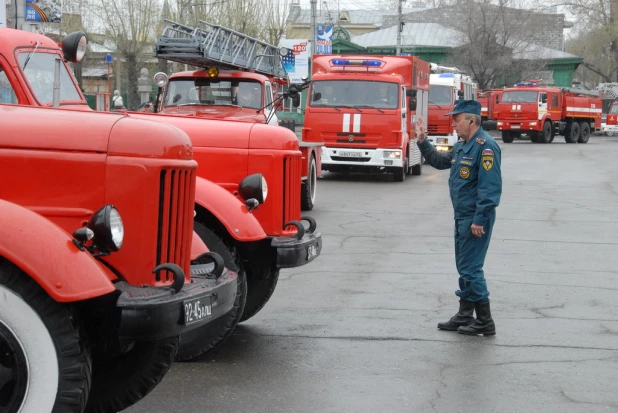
(108,229)
(160,79)
(74,46)
(253,186)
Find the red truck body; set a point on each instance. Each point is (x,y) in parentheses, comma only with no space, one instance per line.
(543,112)
(361,129)
(612,115)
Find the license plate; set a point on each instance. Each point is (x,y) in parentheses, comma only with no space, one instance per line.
(351,154)
(514,126)
(197,309)
(312,252)
(442,140)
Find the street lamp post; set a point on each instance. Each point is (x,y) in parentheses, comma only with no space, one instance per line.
(108,60)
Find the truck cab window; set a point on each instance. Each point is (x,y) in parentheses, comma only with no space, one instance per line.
(7,93)
(40,76)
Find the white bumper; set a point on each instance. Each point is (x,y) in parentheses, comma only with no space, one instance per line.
(609,128)
(443,143)
(362,157)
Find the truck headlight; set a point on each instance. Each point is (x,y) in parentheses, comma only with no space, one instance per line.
(106,224)
(254,186)
(392,154)
(532,123)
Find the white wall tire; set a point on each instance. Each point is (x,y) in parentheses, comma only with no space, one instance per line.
(26,312)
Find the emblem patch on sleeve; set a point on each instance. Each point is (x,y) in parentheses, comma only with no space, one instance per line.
(488,162)
(464,172)
(481,141)
(488,152)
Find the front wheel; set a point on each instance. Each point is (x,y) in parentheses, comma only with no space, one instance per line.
(507,137)
(200,340)
(261,288)
(309,186)
(45,362)
(547,133)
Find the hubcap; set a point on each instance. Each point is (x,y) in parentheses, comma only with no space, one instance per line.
(13,371)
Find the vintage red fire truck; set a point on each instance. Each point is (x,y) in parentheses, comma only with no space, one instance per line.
(364,109)
(99,267)
(446,86)
(239,80)
(225,219)
(544,112)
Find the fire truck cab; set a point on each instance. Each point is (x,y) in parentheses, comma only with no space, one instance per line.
(544,112)
(364,108)
(446,86)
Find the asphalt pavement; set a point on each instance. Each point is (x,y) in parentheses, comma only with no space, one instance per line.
(355,331)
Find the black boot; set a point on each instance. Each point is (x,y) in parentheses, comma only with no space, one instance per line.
(483,324)
(462,318)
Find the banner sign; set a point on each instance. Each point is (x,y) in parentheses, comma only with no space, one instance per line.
(296,62)
(43,11)
(324,43)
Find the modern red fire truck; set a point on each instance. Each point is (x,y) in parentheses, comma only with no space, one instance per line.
(364,109)
(446,86)
(239,80)
(544,112)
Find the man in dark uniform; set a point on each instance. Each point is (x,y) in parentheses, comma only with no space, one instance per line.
(475,185)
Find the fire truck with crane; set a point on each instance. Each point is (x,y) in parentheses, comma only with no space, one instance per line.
(610,107)
(254,242)
(364,109)
(544,112)
(446,86)
(100,270)
(239,80)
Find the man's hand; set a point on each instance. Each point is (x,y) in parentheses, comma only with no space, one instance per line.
(420,129)
(477,230)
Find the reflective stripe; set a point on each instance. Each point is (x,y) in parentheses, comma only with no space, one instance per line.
(585,110)
(346,122)
(357,121)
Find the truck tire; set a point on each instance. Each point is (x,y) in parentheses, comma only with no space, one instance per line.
(399,174)
(571,132)
(507,136)
(259,292)
(201,340)
(417,169)
(121,380)
(45,360)
(546,135)
(584,132)
(309,187)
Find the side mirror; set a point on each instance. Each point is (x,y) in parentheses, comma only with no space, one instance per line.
(296,100)
(412,105)
(460,94)
(317,96)
(411,92)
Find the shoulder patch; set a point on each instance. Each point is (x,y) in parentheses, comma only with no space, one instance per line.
(488,152)
(481,141)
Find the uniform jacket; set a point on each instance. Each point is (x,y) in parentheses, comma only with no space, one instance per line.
(475,181)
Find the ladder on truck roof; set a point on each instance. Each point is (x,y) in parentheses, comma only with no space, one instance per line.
(210,45)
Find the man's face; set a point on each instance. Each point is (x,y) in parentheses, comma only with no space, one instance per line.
(461,125)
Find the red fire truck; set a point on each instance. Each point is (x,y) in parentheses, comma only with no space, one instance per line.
(446,86)
(612,115)
(543,112)
(239,80)
(256,237)
(99,266)
(364,109)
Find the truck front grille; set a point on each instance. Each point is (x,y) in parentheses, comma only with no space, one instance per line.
(175,224)
(291,188)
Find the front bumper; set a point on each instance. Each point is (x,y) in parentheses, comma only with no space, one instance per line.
(520,125)
(361,157)
(298,250)
(149,313)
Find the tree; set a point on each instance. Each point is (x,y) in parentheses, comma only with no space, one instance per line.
(131,25)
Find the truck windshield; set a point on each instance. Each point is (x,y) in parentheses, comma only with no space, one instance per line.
(368,94)
(519,97)
(214,92)
(40,75)
(613,109)
(440,95)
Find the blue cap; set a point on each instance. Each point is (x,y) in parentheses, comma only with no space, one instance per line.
(466,106)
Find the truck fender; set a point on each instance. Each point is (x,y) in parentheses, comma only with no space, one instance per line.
(241,224)
(46,253)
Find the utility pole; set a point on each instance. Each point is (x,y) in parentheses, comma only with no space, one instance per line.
(313,31)
(399,27)
(20,13)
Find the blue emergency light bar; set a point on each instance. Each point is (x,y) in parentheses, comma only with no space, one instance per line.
(447,75)
(526,84)
(356,62)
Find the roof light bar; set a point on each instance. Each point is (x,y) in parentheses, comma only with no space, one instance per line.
(356,62)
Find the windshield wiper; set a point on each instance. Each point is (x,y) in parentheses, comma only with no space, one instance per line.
(30,55)
(434,103)
(348,107)
(369,107)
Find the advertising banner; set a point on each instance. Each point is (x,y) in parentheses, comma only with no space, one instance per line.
(324,43)
(296,62)
(44,11)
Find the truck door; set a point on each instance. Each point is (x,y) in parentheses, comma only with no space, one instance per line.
(404,111)
(269,110)
(542,105)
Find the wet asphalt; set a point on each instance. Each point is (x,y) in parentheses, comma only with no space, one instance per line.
(355,331)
